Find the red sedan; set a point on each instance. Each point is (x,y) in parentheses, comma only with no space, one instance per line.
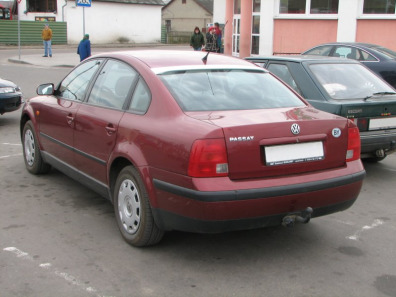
(187,141)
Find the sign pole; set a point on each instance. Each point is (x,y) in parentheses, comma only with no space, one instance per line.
(83,20)
(84,3)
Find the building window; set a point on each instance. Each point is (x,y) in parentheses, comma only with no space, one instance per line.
(256,5)
(237,6)
(292,6)
(42,6)
(379,6)
(184,1)
(256,27)
(313,6)
(324,6)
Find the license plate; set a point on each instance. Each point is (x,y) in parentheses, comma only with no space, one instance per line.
(384,123)
(294,153)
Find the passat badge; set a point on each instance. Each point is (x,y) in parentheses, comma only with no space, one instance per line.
(336,132)
(295,129)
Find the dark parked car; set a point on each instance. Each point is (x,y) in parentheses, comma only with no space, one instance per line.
(379,59)
(178,140)
(10,96)
(346,88)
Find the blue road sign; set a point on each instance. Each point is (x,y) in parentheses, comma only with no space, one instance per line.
(85,3)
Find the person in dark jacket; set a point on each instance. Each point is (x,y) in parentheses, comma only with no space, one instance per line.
(197,40)
(84,48)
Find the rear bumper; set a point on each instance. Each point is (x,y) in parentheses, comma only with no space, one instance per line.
(376,140)
(180,208)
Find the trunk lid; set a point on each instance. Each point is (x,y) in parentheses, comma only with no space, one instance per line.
(261,143)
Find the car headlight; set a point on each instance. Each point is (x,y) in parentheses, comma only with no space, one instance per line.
(6,90)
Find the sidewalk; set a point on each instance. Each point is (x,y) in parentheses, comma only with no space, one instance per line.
(71,59)
(57,60)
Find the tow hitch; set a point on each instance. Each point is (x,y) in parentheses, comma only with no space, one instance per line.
(302,217)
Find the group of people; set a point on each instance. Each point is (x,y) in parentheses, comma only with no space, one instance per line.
(83,49)
(213,39)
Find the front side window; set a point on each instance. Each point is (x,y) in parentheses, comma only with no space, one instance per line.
(228,90)
(320,50)
(113,85)
(348,81)
(74,85)
(379,7)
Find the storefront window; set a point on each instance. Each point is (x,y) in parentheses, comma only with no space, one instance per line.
(324,6)
(292,6)
(379,6)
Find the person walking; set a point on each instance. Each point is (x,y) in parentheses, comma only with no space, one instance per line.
(197,40)
(217,31)
(84,48)
(46,34)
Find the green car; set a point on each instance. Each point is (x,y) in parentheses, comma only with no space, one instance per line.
(344,87)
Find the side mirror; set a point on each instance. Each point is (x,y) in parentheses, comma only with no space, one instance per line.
(45,89)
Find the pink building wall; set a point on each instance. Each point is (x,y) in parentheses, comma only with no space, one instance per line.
(295,36)
(381,32)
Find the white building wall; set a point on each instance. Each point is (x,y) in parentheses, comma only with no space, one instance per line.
(107,22)
(219,11)
(348,12)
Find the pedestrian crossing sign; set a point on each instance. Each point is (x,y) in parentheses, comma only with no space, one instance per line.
(86,3)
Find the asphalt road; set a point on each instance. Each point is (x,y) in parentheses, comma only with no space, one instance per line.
(57,238)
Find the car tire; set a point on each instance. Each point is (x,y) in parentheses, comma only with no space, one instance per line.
(31,151)
(133,211)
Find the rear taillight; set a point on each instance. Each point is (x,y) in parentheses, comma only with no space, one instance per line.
(353,152)
(208,158)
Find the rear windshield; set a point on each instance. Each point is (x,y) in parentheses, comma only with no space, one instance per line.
(206,90)
(348,81)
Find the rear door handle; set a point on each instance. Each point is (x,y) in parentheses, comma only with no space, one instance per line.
(70,119)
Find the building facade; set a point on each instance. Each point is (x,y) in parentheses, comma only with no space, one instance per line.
(265,27)
(106,21)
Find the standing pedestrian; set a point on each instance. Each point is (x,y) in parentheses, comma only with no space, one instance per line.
(46,34)
(84,48)
(217,31)
(197,40)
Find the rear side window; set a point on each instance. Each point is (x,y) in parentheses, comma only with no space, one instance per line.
(197,90)
(141,98)
(282,71)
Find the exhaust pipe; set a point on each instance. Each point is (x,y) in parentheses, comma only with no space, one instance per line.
(303,217)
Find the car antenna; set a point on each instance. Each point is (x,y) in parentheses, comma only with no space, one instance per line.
(204,59)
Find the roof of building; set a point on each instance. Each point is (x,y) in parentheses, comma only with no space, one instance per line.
(145,2)
(205,4)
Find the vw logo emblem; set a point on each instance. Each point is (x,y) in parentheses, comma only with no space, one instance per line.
(295,129)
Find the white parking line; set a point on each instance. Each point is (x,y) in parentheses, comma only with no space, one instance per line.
(6,143)
(48,266)
(9,156)
(358,233)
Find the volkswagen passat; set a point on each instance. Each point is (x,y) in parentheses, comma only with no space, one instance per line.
(194,142)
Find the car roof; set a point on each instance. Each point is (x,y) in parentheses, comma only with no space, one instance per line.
(304,58)
(160,59)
